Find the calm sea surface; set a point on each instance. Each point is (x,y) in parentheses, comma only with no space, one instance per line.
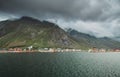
(61,64)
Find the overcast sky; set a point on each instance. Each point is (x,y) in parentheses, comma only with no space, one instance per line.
(96,17)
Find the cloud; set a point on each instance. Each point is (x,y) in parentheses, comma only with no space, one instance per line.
(89,27)
(77,9)
(95,17)
(6,16)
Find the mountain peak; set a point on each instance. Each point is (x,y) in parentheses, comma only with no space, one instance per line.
(27,18)
(28,31)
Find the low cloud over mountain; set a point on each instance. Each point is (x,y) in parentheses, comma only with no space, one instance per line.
(95,17)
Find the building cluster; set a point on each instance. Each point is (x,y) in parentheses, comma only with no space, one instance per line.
(58,50)
(94,49)
(15,50)
(31,49)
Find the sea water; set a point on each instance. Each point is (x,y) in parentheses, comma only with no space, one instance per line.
(60,64)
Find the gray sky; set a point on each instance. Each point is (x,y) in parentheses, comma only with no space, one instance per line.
(96,17)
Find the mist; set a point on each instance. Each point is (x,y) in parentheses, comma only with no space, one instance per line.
(95,17)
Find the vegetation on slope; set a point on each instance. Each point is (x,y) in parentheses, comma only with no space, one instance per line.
(28,31)
(91,41)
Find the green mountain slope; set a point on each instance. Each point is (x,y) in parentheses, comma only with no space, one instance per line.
(91,41)
(28,31)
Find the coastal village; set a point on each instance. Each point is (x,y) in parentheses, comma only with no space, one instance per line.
(30,49)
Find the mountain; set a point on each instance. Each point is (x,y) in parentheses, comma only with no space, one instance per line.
(116,38)
(91,41)
(28,31)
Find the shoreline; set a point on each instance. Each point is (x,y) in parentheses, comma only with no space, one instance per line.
(53,52)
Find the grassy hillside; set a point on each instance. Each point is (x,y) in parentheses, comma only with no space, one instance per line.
(28,31)
(91,41)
